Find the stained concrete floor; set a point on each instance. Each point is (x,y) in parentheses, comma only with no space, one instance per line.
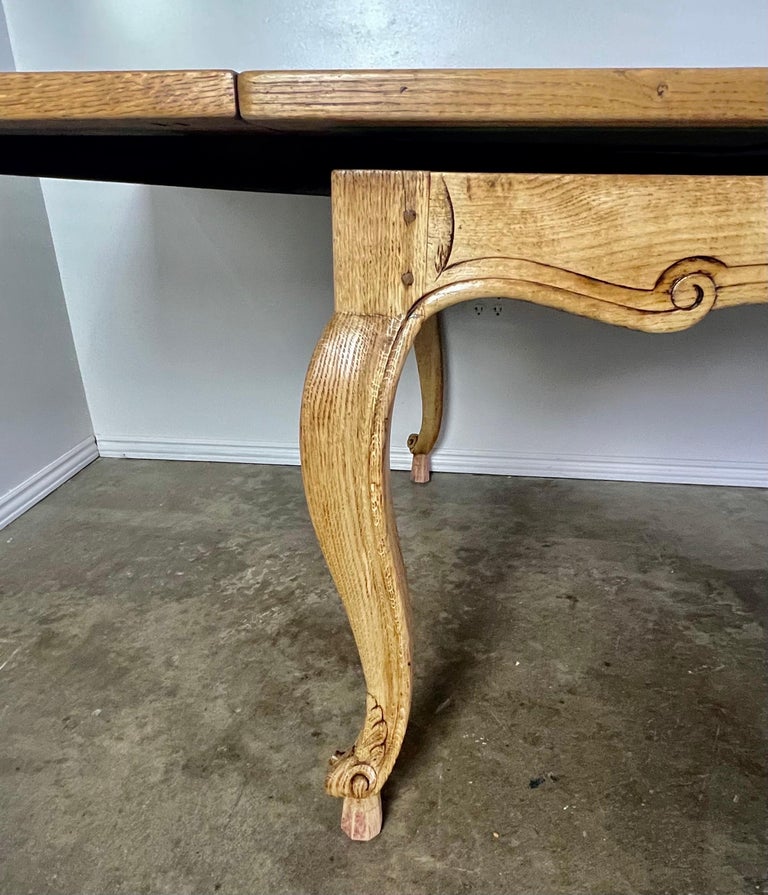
(175,670)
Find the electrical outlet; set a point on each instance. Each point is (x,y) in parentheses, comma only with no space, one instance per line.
(487,307)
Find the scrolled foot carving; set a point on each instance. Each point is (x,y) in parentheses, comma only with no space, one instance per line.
(355,773)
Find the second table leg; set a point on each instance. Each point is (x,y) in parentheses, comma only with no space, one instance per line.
(429,359)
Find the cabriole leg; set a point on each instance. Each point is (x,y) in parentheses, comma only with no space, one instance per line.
(346,407)
(429,360)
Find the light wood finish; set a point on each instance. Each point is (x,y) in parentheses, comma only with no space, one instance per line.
(429,360)
(345,417)
(361,818)
(654,253)
(129,100)
(346,411)
(649,253)
(53,124)
(674,98)
(380,222)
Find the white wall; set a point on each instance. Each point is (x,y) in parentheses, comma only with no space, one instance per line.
(45,429)
(243,34)
(194,312)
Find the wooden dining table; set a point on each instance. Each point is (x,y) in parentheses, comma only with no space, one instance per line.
(638,198)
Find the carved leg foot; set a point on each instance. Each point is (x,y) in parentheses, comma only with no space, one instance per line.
(346,408)
(361,818)
(429,360)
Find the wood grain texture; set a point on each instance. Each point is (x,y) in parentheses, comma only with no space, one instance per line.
(346,410)
(380,234)
(429,360)
(380,221)
(650,253)
(132,100)
(735,97)
(655,253)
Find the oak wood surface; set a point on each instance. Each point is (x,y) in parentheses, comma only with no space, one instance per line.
(428,349)
(505,97)
(649,253)
(607,237)
(183,127)
(645,252)
(345,414)
(626,249)
(126,101)
(380,238)
(380,224)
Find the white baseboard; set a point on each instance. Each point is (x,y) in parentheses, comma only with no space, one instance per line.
(19,499)
(268,453)
(560,466)
(604,468)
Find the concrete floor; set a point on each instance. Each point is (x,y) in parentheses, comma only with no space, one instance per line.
(175,670)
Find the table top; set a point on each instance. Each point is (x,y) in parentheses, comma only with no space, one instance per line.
(285,131)
(504,98)
(119,102)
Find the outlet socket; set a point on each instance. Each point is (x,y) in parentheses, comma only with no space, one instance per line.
(487,307)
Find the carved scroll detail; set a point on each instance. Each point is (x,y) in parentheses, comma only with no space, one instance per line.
(689,290)
(505,212)
(354,772)
(683,293)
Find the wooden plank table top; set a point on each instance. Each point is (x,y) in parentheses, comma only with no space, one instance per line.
(693,97)
(120,101)
(286,131)
(444,98)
